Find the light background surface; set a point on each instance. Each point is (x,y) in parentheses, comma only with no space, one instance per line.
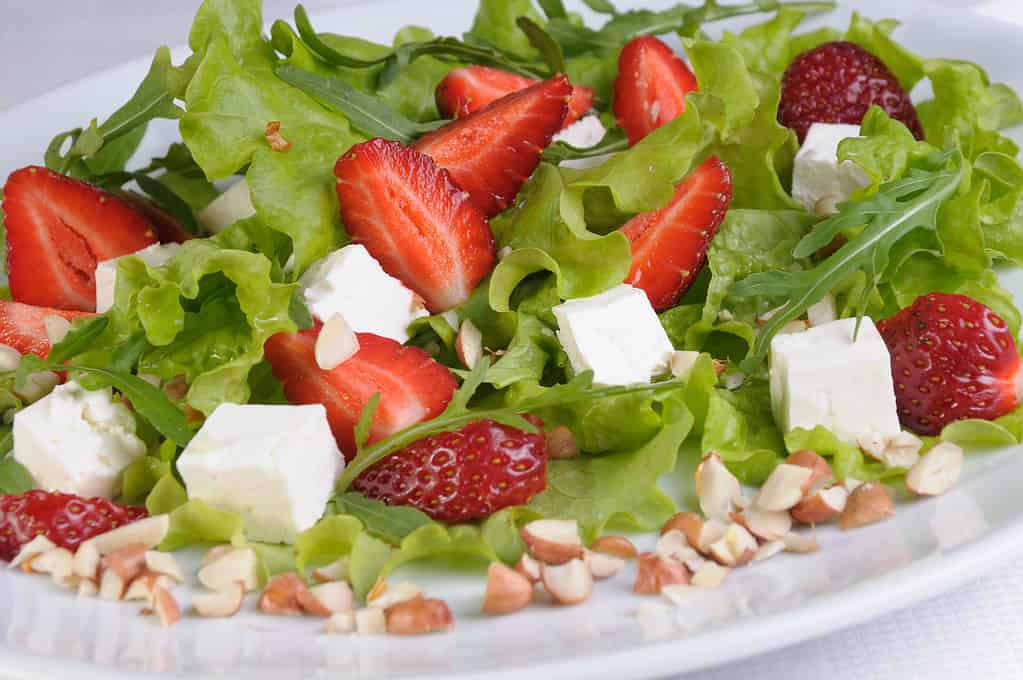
(975,632)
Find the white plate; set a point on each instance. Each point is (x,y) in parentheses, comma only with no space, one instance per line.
(928,547)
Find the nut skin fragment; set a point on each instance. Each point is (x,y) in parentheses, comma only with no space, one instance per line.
(419,616)
(655,572)
(127,562)
(822,473)
(561,444)
(280,597)
(166,607)
(616,546)
(507,590)
(553,541)
(870,502)
(274,138)
(822,506)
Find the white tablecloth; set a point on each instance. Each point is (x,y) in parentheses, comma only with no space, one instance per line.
(976,632)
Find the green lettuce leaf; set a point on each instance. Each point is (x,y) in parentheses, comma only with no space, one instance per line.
(619,488)
(846,460)
(230,100)
(495,25)
(740,427)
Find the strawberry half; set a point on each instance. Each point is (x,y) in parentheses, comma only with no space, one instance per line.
(411,217)
(838,82)
(412,386)
(58,229)
(651,86)
(462,476)
(65,519)
(23,327)
(470,88)
(952,358)
(669,246)
(492,152)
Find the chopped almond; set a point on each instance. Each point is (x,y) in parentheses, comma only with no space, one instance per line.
(419,616)
(553,541)
(654,573)
(568,583)
(868,503)
(507,590)
(281,595)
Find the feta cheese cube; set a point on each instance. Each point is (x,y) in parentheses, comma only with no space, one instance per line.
(819,181)
(76,441)
(616,334)
(273,465)
(227,208)
(824,377)
(350,282)
(106,271)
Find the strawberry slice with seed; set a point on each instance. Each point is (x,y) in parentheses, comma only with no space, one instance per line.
(669,246)
(23,327)
(58,229)
(492,152)
(651,87)
(415,221)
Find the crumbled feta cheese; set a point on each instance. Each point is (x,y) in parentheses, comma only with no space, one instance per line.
(819,181)
(582,134)
(106,271)
(273,465)
(350,282)
(227,208)
(616,334)
(76,441)
(824,377)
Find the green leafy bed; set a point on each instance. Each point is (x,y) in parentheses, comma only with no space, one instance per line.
(938,216)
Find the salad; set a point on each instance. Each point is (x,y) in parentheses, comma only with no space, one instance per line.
(476,297)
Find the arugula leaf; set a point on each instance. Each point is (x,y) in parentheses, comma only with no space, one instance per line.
(601,6)
(392,524)
(366,112)
(896,210)
(685,19)
(325,51)
(94,150)
(554,9)
(548,48)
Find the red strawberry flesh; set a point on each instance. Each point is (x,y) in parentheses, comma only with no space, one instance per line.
(415,221)
(669,246)
(838,82)
(412,386)
(58,229)
(23,327)
(492,152)
(65,519)
(462,476)
(651,86)
(470,88)
(952,358)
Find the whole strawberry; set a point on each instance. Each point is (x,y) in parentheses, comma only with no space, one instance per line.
(838,82)
(65,519)
(952,358)
(464,475)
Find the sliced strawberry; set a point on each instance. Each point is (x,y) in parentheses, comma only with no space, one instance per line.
(413,219)
(23,327)
(491,152)
(651,87)
(412,386)
(669,246)
(58,229)
(168,228)
(470,88)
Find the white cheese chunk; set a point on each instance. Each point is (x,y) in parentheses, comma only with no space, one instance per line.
(819,181)
(350,282)
(616,334)
(106,271)
(76,441)
(227,208)
(824,377)
(585,133)
(273,465)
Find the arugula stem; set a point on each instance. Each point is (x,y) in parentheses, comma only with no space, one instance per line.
(373,454)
